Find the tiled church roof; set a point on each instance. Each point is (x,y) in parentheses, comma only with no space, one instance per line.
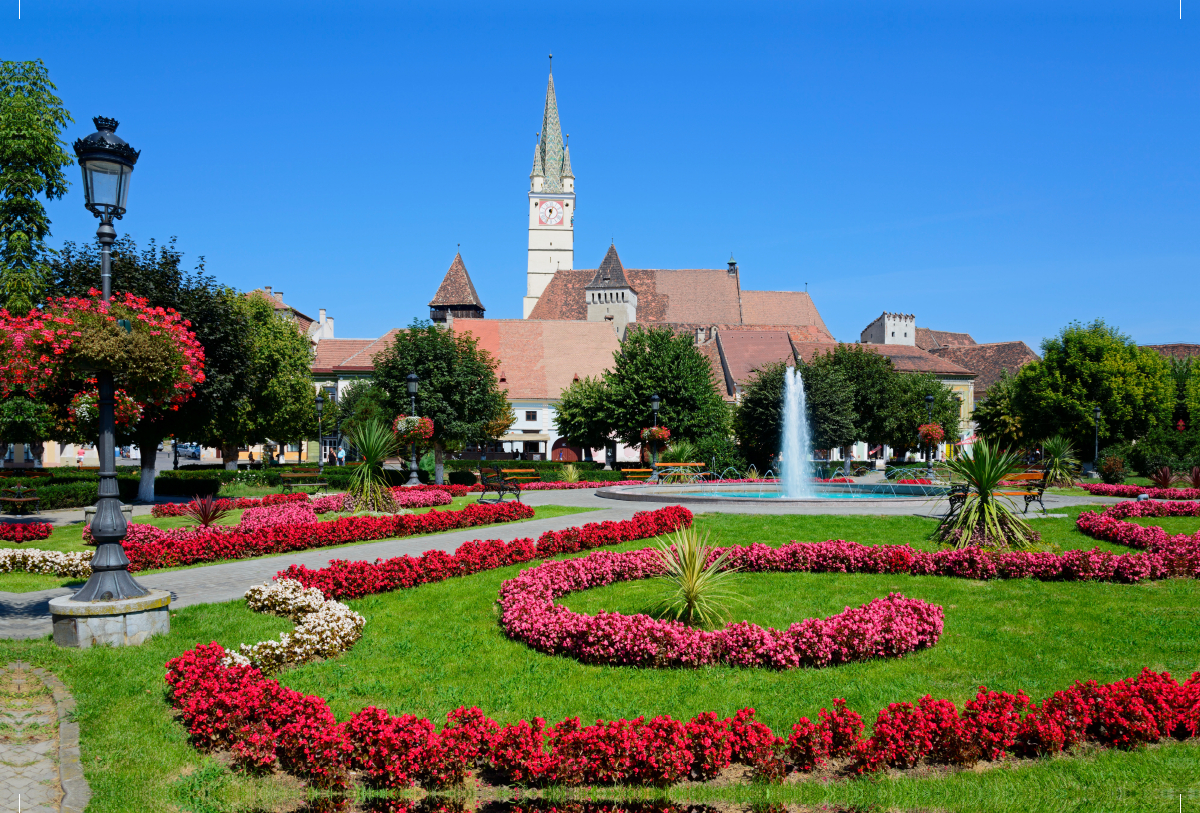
(610,274)
(988,361)
(933,339)
(456,287)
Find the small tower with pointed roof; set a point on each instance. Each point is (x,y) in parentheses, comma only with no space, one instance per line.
(456,296)
(551,204)
(610,298)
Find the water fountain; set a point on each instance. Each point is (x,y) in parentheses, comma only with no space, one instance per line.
(795,449)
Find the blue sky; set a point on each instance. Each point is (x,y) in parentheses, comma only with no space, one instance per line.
(997,168)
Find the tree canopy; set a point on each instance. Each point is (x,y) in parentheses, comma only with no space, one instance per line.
(458,388)
(362,402)
(580,415)
(32,159)
(996,417)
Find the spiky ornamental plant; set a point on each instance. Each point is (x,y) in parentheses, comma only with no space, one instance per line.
(699,590)
(375,442)
(1059,461)
(986,517)
(207,510)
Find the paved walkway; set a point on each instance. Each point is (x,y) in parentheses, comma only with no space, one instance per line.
(39,747)
(26,615)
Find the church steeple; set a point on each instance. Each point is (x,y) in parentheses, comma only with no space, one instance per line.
(551,150)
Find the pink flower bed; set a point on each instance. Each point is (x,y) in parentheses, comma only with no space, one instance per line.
(1179,553)
(343,579)
(263,724)
(425,498)
(268,516)
(1106,490)
(883,628)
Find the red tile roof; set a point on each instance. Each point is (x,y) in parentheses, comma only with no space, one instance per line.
(928,339)
(456,287)
(988,361)
(905,358)
(745,351)
(1179,350)
(332,352)
(782,308)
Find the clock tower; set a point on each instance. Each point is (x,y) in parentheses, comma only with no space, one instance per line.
(551,205)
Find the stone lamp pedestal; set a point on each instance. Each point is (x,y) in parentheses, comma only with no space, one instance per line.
(125,622)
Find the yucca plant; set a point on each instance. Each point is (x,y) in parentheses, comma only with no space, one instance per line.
(206,510)
(681,451)
(570,473)
(699,590)
(986,517)
(1164,477)
(1059,461)
(375,442)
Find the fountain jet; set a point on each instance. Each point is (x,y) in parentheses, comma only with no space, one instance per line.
(796,447)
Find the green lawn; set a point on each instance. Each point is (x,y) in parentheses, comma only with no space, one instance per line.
(428,650)
(69,538)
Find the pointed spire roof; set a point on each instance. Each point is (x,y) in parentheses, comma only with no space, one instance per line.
(551,150)
(610,274)
(456,287)
(566,170)
(539,171)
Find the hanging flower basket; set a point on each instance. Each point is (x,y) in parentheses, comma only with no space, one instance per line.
(151,353)
(412,430)
(84,410)
(931,433)
(658,434)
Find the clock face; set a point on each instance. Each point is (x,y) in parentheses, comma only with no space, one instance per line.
(551,213)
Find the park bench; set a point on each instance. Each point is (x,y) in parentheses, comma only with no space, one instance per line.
(636,474)
(494,480)
(1031,485)
(19,497)
(521,475)
(680,472)
(304,478)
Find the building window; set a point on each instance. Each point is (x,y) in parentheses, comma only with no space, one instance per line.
(531,415)
(893,334)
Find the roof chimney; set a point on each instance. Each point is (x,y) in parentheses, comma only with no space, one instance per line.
(279,297)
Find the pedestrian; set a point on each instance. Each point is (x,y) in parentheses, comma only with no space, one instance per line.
(341,456)
(79,455)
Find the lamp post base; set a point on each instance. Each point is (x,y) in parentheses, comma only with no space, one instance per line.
(126,622)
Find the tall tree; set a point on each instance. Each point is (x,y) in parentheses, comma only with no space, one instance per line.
(908,410)
(362,402)
(1092,365)
(872,380)
(996,416)
(458,386)
(580,415)
(657,360)
(829,398)
(32,159)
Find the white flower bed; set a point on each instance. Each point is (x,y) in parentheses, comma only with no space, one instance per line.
(324,628)
(47,562)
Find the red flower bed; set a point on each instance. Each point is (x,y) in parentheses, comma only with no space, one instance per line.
(888,627)
(915,481)
(23,532)
(261,722)
(179,509)
(344,579)
(1180,553)
(1106,490)
(212,545)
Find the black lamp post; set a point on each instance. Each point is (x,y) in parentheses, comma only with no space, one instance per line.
(928,445)
(655,403)
(413,479)
(1096,450)
(320,437)
(107,162)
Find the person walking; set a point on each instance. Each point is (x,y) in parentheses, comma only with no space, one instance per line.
(341,456)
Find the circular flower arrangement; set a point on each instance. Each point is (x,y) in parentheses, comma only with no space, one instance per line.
(659,434)
(151,353)
(931,433)
(411,430)
(85,410)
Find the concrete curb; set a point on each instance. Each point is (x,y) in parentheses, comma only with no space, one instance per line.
(76,791)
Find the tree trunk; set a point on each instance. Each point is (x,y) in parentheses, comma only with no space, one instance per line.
(439,459)
(229,455)
(147,443)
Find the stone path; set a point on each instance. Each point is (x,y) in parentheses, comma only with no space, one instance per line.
(39,745)
(26,615)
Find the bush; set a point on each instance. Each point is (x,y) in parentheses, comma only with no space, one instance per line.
(720,452)
(1164,447)
(1112,470)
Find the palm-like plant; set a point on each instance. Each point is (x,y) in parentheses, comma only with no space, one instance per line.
(1163,477)
(375,442)
(699,589)
(206,510)
(1059,461)
(681,451)
(986,517)
(570,473)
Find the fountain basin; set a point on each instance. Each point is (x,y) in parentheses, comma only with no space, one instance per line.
(773,493)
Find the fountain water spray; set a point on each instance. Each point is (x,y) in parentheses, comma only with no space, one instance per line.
(796,448)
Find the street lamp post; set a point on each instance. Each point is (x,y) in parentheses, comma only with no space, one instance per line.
(928,445)
(1096,449)
(320,436)
(107,162)
(413,479)
(655,403)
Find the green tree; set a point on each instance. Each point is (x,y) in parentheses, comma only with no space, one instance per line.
(758,419)
(580,415)
(657,360)
(872,380)
(362,402)
(458,387)
(829,398)
(908,411)
(1092,365)
(32,159)
(996,416)
(1191,397)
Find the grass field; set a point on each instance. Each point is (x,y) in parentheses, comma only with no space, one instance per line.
(69,538)
(428,650)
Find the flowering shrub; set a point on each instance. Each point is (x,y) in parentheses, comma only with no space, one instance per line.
(657,434)
(426,498)
(344,579)
(411,430)
(179,509)
(931,433)
(887,627)
(23,532)
(46,562)
(1118,490)
(268,516)
(233,706)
